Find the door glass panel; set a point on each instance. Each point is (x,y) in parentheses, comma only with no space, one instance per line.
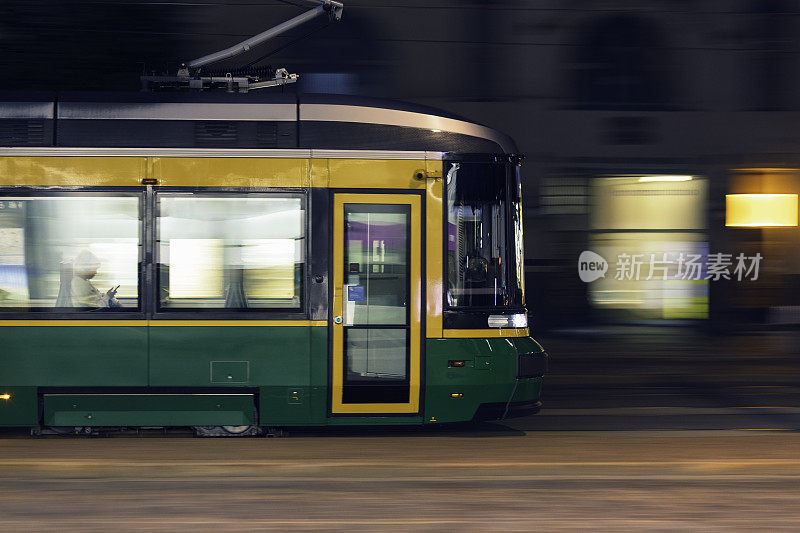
(376,294)
(376,354)
(376,366)
(376,264)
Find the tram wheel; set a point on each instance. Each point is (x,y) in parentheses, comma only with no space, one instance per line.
(236,430)
(227,431)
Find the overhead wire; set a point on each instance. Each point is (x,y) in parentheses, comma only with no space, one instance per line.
(290,43)
(292,3)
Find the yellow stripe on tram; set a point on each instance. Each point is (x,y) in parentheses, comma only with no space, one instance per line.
(239,172)
(61,323)
(485,333)
(72,171)
(238,323)
(168,323)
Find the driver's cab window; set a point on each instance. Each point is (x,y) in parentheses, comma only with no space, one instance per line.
(480,243)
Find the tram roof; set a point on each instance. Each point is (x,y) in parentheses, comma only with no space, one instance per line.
(328,121)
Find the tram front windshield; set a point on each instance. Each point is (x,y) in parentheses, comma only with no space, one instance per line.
(484,235)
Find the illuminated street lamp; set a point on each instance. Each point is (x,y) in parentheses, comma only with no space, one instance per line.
(760,210)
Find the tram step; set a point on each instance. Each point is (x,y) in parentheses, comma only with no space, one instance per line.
(149,409)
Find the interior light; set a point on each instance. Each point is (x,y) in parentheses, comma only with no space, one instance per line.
(665,178)
(760,210)
(5,396)
(456,395)
(436,131)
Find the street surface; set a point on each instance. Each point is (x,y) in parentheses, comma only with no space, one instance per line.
(639,432)
(658,378)
(474,481)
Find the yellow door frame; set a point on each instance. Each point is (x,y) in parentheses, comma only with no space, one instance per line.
(415,304)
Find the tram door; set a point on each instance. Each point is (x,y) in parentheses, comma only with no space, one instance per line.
(377,303)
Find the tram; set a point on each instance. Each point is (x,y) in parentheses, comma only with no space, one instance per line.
(231,263)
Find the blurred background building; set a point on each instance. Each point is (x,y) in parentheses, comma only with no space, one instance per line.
(637,118)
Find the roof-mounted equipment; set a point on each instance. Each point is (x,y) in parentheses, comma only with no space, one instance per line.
(190,75)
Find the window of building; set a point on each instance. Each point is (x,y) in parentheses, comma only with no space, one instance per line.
(69,253)
(652,231)
(230,252)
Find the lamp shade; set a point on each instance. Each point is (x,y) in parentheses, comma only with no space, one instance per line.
(760,210)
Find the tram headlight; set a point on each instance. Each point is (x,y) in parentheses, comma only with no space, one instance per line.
(5,396)
(519,320)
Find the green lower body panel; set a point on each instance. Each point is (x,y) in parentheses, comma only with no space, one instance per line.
(487,378)
(280,361)
(375,421)
(18,406)
(149,409)
(73,356)
(270,375)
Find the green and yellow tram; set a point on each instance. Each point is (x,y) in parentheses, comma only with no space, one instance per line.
(234,262)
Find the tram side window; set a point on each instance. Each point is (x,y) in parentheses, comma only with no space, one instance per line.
(484,236)
(235,253)
(69,253)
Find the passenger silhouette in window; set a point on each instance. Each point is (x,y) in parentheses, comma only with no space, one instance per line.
(82,291)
